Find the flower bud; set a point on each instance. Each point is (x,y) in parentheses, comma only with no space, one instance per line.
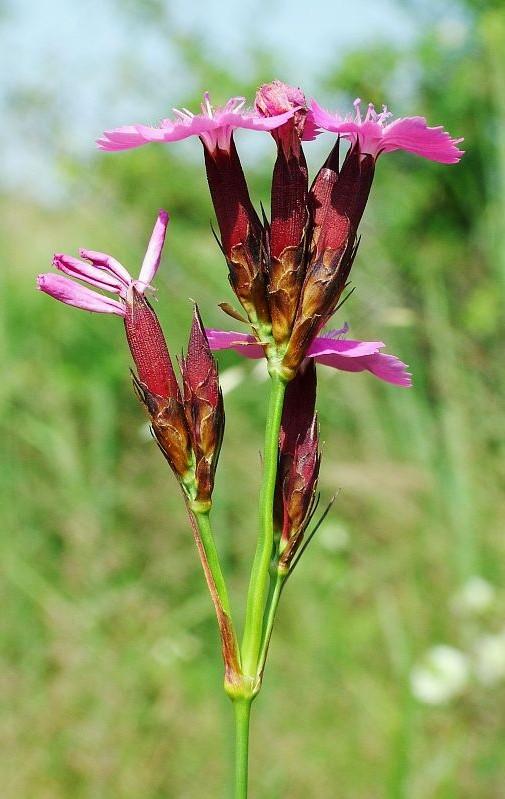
(148,346)
(276,98)
(289,209)
(298,463)
(156,384)
(203,403)
(323,286)
(242,235)
(337,200)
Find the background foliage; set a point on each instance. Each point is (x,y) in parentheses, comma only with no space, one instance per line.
(111,674)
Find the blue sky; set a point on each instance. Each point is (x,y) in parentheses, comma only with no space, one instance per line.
(62,62)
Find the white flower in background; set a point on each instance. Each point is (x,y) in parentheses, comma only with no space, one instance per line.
(489,658)
(442,674)
(260,371)
(230,378)
(398,316)
(176,647)
(334,537)
(474,596)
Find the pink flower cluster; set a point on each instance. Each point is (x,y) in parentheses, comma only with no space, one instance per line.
(277,103)
(282,111)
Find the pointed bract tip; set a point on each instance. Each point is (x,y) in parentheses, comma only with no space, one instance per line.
(197,335)
(199,367)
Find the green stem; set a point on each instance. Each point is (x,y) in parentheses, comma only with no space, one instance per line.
(209,545)
(258,585)
(269,624)
(242,708)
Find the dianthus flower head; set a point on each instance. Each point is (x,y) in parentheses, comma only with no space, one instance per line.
(289,271)
(156,383)
(98,269)
(377,133)
(289,210)
(213,125)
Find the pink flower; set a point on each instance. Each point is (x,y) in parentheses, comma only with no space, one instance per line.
(143,332)
(376,134)
(103,272)
(214,126)
(331,350)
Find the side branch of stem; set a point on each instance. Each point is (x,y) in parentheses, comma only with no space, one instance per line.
(200,525)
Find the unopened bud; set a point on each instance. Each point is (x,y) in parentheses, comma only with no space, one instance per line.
(277,98)
(156,384)
(148,346)
(338,198)
(203,403)
(324,283)
(289,206)
(298,463)
(242,235)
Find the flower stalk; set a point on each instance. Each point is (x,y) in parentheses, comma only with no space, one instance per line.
(258,584)
(242,709)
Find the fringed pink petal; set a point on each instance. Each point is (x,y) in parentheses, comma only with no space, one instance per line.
(413,135)
(214,126)
(124,138)
(390,369)
(376,134)
(385,367)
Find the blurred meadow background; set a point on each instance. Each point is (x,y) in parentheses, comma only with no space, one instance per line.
(387,669)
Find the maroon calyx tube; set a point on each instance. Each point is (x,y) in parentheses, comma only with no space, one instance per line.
(148,347)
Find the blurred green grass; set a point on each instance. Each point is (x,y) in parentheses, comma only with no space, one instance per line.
(111,672)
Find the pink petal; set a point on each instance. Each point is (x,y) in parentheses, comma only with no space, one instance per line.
(152,257)
(411,134)
(123,138)
(385,367)
(390,369)
(310,129)
(414,135)
(240,342)
(71,293)
(108,263)
(346,348)
(215,127)
(96,277)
